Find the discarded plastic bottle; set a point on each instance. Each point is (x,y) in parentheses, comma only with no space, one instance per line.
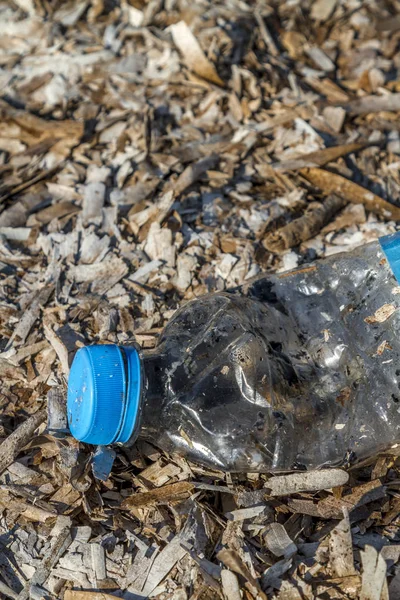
(296,370)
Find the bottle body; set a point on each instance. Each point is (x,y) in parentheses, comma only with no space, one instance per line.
(293,371)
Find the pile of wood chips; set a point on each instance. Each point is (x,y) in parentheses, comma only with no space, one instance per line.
(150,152)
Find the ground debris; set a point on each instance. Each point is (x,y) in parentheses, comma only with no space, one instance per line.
(151,152)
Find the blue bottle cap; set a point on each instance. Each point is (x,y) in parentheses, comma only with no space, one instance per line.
(391,246)
(104,390)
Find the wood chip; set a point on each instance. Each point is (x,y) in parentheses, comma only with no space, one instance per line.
(93,202)
(322,9)
(374,585)
(341,549)
(373,104)
(167,493)
(285,485)
(278,542)
(164,562)
(193,55)
(193,172)
(98,562)
(382,314)
(79,595)
(230,585)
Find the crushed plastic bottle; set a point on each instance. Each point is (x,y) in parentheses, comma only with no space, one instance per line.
(296,370)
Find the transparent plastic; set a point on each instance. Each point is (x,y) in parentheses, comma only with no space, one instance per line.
(287,372)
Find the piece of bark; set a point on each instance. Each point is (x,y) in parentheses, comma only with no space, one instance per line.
(27,351)
(329,89)
(65,342)
(34,513)
(192,53)
(159,244)
(103,275)
(102,462)
(332,183)
(20,234)
(313,481)
(318,158)
(168,493)
(10,371)
(13,444)
(353,214)
(373,104)
(361,495)
(138,571)
(306,227)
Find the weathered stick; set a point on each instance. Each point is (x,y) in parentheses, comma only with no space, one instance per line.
(332,183)
(306,227)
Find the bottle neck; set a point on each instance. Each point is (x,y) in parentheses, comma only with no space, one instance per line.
(152,395)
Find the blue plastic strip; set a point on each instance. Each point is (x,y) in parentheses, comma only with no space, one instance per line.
(391,247)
